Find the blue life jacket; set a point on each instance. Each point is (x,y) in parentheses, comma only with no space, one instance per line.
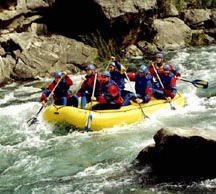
(166,82)
(118,78)
(142,83)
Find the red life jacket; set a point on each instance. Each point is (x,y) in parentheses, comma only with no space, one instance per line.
(109,93)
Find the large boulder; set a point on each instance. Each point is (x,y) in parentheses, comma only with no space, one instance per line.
(196,17)
(113,9)
(41,55)
(171,33)
(6,67)
(178,155)
(199,37)
(21,13)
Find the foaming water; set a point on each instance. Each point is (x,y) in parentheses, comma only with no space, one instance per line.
(38,159)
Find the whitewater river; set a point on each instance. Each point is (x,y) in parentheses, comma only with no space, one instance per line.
(49,159)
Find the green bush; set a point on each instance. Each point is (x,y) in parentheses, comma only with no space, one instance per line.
(106,48)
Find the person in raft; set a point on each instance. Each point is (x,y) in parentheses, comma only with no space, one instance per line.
(166,86)
(109,95)
(143,86)
(159,66)
(62,95)
(85,92)
(117,72)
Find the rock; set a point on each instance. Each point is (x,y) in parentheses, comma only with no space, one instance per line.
(172,33)
(114,9)
(35,56)
(48,54)
(173,11)
(196,17)
(110,26)
(200,38)
(148,48)
(168,8)
(133,51)
(6,67)
(178,155)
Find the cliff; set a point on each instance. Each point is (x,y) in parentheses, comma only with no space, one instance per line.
(37,37)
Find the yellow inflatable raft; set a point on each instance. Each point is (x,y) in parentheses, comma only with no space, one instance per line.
(108,118)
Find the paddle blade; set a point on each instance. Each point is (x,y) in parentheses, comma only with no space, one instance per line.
(172,107)
(88,123)
(32,121)
(200,84)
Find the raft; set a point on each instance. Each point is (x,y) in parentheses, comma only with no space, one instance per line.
(108,118)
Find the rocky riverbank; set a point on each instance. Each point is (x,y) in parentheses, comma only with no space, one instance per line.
(37,37)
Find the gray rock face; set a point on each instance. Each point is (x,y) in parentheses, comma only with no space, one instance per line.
(113,8)
(196,17)
(40,56)
(6,67)
(178,155)
(172,33)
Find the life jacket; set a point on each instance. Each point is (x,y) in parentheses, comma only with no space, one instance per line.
(143,84)
(62,90)
(118,78)
(169,83)
(108,96)
(159,69)
(88,84)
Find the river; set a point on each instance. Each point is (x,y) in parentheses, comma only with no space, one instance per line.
(44,158)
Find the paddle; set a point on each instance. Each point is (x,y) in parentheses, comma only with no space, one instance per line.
(89,120)
(145,116)
(33,120)
(171,106)
(79,85)
(197,83)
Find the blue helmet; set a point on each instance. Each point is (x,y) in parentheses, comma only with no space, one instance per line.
(143,69)
(166,67)
(112,64)
(58,74)
(106,73)
(90,66)
(160,55)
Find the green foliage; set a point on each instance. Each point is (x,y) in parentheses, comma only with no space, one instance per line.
(214,3)
(106,48)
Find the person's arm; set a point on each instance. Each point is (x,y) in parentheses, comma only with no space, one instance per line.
(119,66)
(175,71)
(148,91)
(47,92)
(67,79)
(131,76)
(151,70)
(173,87)
(82,89)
